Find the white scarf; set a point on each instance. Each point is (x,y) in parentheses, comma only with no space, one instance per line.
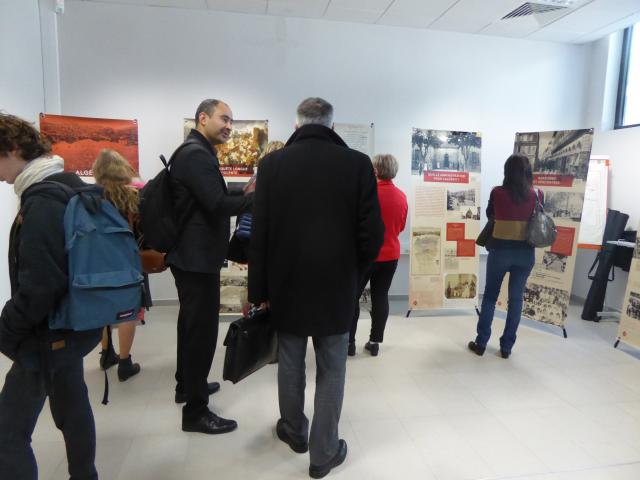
(37,170)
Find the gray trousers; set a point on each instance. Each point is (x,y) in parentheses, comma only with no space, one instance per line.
(331,362)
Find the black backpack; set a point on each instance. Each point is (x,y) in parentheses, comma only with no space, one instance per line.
(160,223)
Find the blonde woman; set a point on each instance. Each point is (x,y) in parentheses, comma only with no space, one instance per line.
(115,175)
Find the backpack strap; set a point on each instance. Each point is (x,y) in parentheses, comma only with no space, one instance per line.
(48,186)
(191,210)
(167,163)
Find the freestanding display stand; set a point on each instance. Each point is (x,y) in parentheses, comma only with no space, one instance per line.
(594,303)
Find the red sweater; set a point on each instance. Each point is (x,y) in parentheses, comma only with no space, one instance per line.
(393,205)
(511,219)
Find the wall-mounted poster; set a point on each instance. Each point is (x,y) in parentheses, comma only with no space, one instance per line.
(357,136)
(560,163)
(79,140)
(629,330)
(445,219)
(239,155)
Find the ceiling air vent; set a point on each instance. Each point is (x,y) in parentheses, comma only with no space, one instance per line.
(531,8)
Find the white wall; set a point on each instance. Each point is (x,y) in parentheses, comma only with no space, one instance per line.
(156,64)
(21,93)
(622,146)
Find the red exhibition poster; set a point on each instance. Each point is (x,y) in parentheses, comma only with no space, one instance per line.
(455,231)
(79,140)
(564,241)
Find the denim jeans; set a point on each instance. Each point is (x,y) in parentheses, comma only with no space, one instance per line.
(21,402)
(518,262)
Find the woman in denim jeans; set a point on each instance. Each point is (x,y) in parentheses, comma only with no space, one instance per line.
(511,206)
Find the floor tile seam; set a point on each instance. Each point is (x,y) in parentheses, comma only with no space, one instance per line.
(576,470)
(119,467)
(459,434)
(523,442)
(419,451)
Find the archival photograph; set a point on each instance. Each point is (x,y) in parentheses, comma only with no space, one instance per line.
(545,304)
(425,251)
(564,205)
(554,262)
(459,198)
(460,286)
(565,152)
(633,306)
(434,150)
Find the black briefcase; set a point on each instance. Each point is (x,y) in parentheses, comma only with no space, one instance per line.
(251,343)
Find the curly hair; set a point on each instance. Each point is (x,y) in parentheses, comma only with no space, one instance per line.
(18,134)
(115,174)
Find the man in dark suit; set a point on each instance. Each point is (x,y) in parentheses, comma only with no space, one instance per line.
(200,193)
(316,228)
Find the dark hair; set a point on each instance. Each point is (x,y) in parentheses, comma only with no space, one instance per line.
(18,134)
(518,178)
(207,106)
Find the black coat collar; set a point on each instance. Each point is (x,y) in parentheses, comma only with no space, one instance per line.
(319,132)
(200,138)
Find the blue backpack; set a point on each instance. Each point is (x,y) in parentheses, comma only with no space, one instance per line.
(104,268)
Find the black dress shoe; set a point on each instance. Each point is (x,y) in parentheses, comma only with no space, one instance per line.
(319,471)
(372,348)
(477,349)
(213,387)
(504,354)
(209,423)
(351,351)
(298,447)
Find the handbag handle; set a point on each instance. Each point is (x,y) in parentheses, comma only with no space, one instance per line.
(538,206)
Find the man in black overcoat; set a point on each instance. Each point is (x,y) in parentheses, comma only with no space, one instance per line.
(201,195)
(316,228)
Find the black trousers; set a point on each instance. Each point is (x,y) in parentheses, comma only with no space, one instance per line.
(21,402)
(380,275)
(199,295)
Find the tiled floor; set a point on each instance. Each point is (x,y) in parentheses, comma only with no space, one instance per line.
(426,408)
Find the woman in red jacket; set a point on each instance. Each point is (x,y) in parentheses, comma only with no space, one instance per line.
(393,205)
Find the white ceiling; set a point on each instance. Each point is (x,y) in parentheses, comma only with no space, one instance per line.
(583,21)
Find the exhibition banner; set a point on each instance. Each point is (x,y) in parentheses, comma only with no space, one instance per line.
(79,140)
(629,329)
(445,219)
(560,162)
(239,156)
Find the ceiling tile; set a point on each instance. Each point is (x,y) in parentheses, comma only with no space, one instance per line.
(351,15)
(613,27)
(594,16)
(298,8)
(473,15)
(197,4)
(415,13)
(369,5)
(242,6)
(517,27)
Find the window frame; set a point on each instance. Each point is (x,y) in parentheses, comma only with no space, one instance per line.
(621,101)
